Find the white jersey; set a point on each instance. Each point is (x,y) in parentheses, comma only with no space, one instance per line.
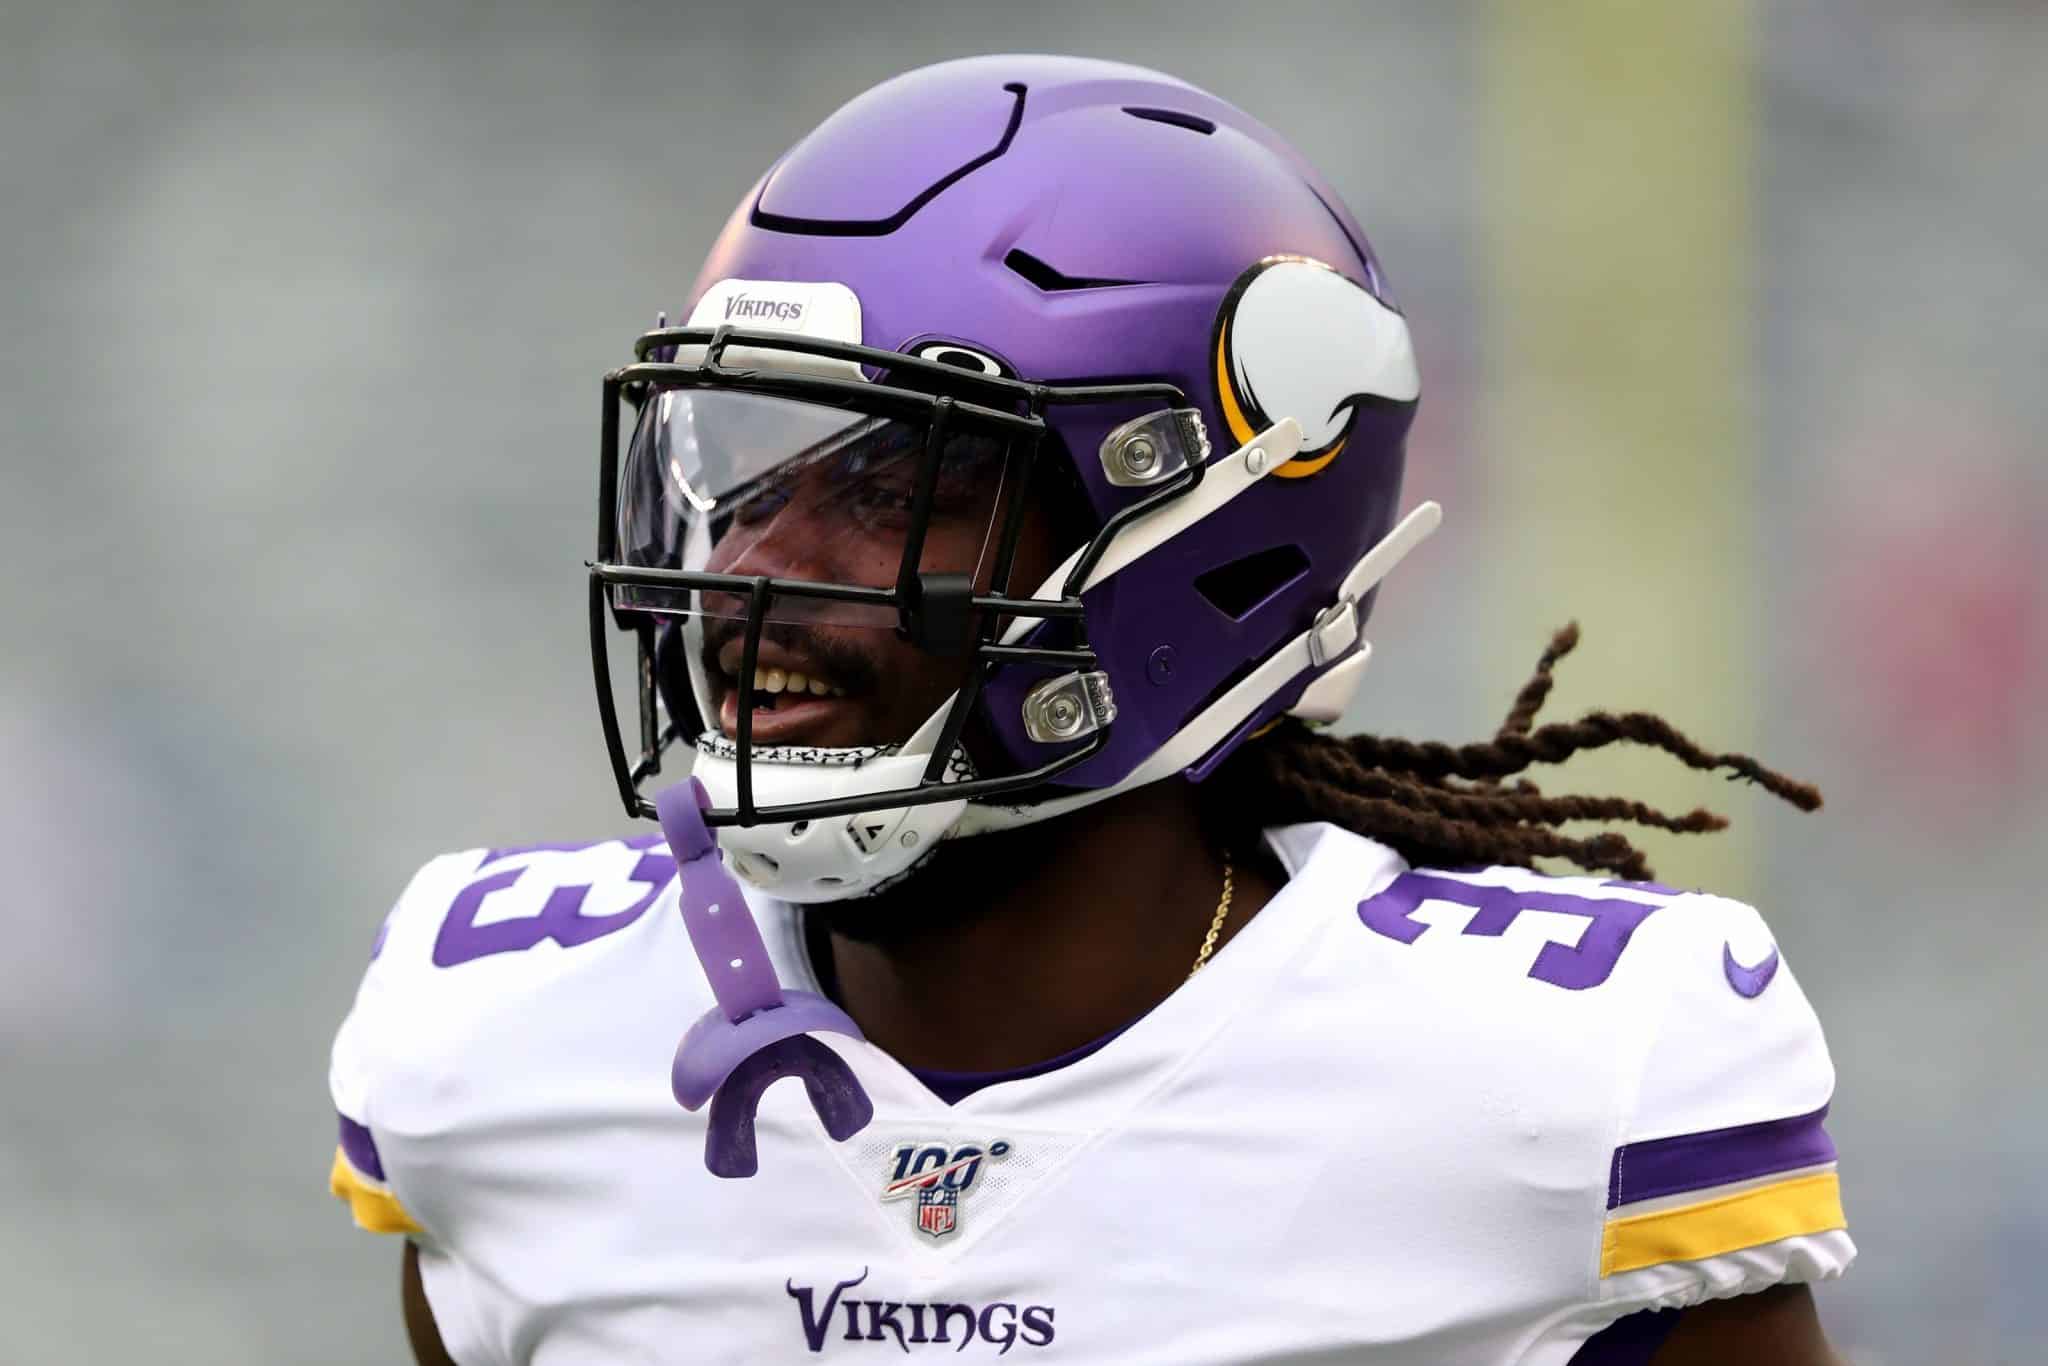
(1402,1117)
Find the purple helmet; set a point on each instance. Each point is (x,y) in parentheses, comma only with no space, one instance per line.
(980,284)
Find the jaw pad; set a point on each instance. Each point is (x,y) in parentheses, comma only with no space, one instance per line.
(757,1033)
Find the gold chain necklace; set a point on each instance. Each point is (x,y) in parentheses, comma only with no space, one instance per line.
(1215,925)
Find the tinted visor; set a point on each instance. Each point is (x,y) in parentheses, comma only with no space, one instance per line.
(725,481)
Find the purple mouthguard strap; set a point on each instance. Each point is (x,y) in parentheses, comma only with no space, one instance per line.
(755,1034)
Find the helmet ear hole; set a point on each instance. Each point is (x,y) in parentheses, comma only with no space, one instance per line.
(672,678)
(757,868)
(1240,587)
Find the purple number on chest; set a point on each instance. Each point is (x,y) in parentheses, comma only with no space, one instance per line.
(1610,922)
(561,917)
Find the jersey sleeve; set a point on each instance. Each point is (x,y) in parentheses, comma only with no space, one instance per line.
(1723,1180)
(366,1052)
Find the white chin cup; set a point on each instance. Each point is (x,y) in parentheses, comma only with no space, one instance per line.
(831,858)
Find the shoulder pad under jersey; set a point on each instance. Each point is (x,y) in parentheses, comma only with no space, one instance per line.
(477,942)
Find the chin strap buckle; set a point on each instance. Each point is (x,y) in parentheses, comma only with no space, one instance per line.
(1334,631)
(758,1032)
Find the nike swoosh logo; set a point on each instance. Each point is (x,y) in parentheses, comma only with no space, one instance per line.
(1749,982)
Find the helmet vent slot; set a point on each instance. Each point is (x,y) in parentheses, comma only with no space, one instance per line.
(1194,123)
(1241,587)
(1050,280)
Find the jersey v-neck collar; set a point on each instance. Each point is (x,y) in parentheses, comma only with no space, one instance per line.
(954,1087)
(1091,1087)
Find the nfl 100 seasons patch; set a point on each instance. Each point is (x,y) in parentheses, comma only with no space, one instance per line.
(937,1177)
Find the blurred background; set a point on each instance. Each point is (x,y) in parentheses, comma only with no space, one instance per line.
(1730,322)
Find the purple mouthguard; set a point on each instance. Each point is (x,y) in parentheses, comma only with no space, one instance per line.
(756,1033)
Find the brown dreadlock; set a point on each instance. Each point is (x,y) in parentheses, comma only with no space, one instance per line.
(1444,806)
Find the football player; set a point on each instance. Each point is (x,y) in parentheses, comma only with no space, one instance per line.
(996,539)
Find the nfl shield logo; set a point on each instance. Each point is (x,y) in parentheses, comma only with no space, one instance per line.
(938,1174)
(938,1210)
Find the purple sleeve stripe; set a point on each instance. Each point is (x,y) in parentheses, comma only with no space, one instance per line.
(360,1149)
(1690,1162)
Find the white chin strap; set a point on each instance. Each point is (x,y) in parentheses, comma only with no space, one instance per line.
(839,857)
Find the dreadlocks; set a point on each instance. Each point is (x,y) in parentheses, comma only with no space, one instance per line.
(1445,806)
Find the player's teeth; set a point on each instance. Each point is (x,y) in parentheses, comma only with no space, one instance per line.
(797,682)
(819,687)
(770,680)
(838,692)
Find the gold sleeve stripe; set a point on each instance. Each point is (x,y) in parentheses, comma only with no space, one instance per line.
(374,1207)
(1783,1209)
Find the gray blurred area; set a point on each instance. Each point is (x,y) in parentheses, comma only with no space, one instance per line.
(304,312)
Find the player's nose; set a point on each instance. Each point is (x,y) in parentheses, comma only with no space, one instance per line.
(792,544)
(804,541)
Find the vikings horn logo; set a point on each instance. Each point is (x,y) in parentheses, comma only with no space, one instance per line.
(1296,339)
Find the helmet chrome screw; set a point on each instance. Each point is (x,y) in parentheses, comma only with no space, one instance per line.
(1141,457)
(1062,714)
(909,840)
(1255,459)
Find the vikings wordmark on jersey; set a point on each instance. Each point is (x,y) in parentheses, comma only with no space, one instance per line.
(1001,1325)
(1467,1116)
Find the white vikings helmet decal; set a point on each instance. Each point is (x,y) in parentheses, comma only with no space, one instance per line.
(1294,338)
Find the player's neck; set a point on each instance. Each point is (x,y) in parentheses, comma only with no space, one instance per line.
(1012,949)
